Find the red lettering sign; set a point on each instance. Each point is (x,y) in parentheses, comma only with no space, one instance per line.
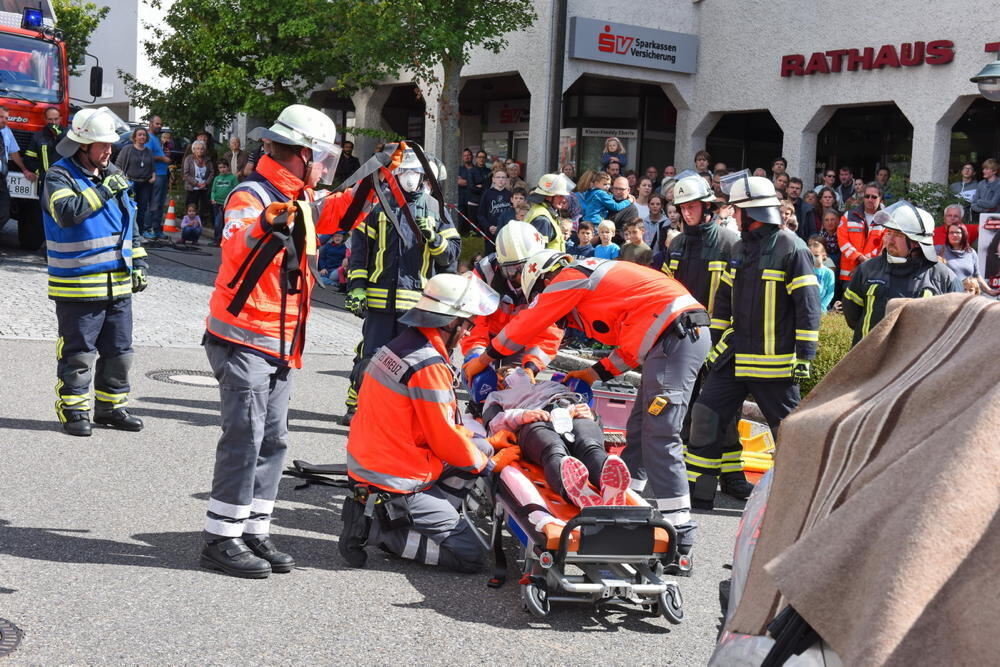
(910,54)
(608,42)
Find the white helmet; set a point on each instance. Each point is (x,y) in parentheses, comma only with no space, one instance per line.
(916,223)
(410,162)
(551,185)
(448,296)
(693,188)
(538,265)
(299,125)
(516,242)
(756,196)
(91,126)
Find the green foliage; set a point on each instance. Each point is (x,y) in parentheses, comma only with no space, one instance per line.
(834,342)
(933,197)
(77,22)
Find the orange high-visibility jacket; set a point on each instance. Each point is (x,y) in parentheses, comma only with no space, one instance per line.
(616,303)
(540,354)
(856,240)
(406,428)
(272,320)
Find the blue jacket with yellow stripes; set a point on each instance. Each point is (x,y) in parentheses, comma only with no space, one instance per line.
(383,255)
(766,312)
(699,258)
(91,244)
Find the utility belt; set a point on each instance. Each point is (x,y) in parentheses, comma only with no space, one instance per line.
(389,508)
(687,324)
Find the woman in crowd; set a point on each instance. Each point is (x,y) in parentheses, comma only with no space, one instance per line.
(656,221)
(136,160)
(828,200)
(198,172)
(569,171)
(958,253)
(643,191)
(812,198)
(613,152)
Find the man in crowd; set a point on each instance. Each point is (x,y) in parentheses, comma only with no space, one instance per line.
(41,154)
(804,212)
(478,178)
(882,178)
(95,265)
(161,167)
(514,179)
(765,325)
(620,192)
(778,167)
(236,158)
(349,163)
(858,234)
(829,180)
(614,169)
(652,174)
(463,188)
(9,151)
(908,268)
(845,187)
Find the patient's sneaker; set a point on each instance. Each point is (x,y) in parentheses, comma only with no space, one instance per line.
(615,481)
(575,479)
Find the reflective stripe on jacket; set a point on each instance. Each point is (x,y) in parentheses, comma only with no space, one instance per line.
(89,232)
(616,303)
(406,428)
(272,320)
(699,258)
(856,240)
(544,220)
(767,308)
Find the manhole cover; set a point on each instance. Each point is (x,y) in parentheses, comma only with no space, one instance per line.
(185,377)
(10,637)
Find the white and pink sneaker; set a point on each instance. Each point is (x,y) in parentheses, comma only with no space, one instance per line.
(615,481)
(575,479)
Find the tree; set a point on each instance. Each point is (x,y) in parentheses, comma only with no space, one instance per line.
(77,22)
(223,57)
(424,37)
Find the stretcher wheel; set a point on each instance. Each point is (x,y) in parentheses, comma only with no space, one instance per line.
(672,604)
(535,600)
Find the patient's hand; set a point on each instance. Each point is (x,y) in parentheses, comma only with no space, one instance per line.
(581,411)
(530,416)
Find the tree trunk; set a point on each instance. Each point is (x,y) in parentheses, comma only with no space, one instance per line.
(447,125)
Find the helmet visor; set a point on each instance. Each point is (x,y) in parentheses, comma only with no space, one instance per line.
(512,272)
(325,158)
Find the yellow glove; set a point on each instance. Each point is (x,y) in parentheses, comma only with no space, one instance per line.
(502,440)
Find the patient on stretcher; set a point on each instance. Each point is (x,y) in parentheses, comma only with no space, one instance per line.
(559,432)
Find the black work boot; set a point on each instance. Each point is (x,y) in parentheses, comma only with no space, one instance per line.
(348,416)
(735,484)
(235,558)
(354,536)
(263,547)
(702,492)
(76,422)
(118,418)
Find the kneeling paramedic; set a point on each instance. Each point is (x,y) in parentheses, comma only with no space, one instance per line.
(255,331)
(410,458)
(654,322)
(95,264)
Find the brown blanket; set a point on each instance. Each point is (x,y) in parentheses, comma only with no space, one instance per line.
(882,524)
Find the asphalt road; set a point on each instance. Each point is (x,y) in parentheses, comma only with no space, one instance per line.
(99,537)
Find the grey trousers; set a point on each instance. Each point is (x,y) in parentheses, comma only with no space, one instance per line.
(439,535)
(251,452)
(654,450)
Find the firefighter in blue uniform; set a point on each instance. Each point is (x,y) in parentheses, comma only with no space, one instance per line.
(391,262)
(765,325)
(95,263)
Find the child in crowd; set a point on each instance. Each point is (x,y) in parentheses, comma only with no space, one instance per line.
(342,272)
(222,185)
(331,256)
(191,225)
(608,249)
(566,227)
(674,215)
(823,273)
(635,249)
(724,216)
(585,239)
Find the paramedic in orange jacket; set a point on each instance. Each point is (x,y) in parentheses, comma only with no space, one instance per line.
(409,456)
(255,332)
(857,235)
(654,321)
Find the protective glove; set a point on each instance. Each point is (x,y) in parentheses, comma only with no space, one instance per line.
(502,440)
(426,226)
(357,302)
(397,156)
(802,370)
(278,215)
(503,458)
(588,375)
(139,280)
(475,366)
(115,183)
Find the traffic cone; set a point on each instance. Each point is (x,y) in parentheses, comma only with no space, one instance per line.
(170,224)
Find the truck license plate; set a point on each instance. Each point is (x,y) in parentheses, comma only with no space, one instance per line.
(20,187)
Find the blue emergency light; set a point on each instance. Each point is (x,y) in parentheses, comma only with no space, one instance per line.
(31,19)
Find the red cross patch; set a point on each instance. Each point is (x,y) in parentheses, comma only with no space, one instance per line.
(591,262)
(533,267)
(538,237)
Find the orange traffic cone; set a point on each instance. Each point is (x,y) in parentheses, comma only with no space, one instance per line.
(170,224)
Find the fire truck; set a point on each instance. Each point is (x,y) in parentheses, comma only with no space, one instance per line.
(33,77)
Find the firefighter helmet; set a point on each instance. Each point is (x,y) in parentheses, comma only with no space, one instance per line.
(449,296)
(538,265)
(551,185)
(516,242)
(299,125)
(91,126)
(756,196)
(693,188)
(915,223)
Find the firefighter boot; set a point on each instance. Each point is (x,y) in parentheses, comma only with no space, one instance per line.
(348,416)
(735,484)
(76,422)
(354,536)
(118,418)
(234,557)
(263,547)
(702,492)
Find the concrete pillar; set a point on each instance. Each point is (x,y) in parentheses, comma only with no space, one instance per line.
(368,105)
(680,102)
(932,137)
(800,129)
(693,128)
(538,127)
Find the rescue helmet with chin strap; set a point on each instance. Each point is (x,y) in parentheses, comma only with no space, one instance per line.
(757,197)
(538,265)
(449,296)
(91,126)
(915,223)
(300,125)
(693,188)
(516,242)
(551,185)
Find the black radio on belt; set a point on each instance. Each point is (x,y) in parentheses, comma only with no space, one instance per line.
(688,323)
